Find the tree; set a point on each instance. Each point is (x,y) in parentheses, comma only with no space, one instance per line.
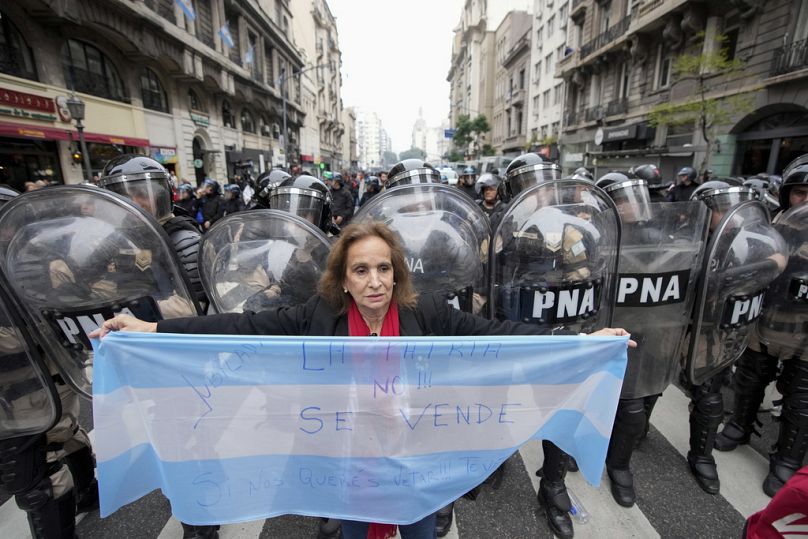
(389,159)
(453,156)
(701,110)
(412,153)
(468,131)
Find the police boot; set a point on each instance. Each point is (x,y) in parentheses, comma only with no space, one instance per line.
(792,442)
(553,496)
(628,426)
(82,467)
(329,528)
(753,372)
(189,531)
(49,517)
(443,523)
(705,417)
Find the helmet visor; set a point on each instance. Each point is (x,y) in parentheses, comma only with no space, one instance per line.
(632,200)
(533,175)
(152,194)
(304,203)
(722,201)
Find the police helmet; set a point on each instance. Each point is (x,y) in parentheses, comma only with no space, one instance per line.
(233,189)
(141,179)
(690,172)
(186,188)
(630,195)
(485,181)
(305,196)
(720,196)
(582,174)
(337,177)
(210,182)
(650,173)
(7,193)
(796,173)
(527,170)
(412,171)
(266,182)
(373,181)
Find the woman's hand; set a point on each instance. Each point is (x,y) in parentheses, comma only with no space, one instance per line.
(123,322)
(616,332)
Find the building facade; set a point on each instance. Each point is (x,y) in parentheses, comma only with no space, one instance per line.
(349,144)
(621,67)
(511,80)
(204,95)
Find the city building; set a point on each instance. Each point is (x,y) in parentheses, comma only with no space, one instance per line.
(370,139)
(511,74)
(545,101)
(621,67)
(350,156)
(432,140)
(206,91)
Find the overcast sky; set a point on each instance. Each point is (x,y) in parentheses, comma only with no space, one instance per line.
(395,58)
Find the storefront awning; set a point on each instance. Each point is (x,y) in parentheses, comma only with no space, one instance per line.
(32,131)
(114,139)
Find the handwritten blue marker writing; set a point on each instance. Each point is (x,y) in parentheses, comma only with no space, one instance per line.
(476,414)
(317,424)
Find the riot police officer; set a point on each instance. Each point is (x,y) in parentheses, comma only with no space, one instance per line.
(781,336)
(232,199)
(372,188)
(583,174)
(660,244)
(412,171)
(467,181)
(685,185)
(265,183)
(744,254)
(550,241)
(487,187)
(187,200)
(145,181)
(307,197)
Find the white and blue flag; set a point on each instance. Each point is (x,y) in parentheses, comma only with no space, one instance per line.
(249,58)
(237,428)
(187,7)
(224,33)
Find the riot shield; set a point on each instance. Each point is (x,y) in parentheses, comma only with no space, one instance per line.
(29,403)
(77,255)
(554,258)
(445,239)
(783,325)
(745,253)
(659,263)
(261,259)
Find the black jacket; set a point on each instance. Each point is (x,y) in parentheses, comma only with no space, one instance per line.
(212,208)
(681,192)
(342,204)
(432,316)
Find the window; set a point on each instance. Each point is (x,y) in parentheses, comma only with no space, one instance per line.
(247,121)
(663,67)
(543,132)
(227,115)
(548,62)
(538,37)
(557,94)
(269,68)
(194,102)
(562,14)
(537,71)
(151,91)
(522,79)
(545,99)
(263,125)
(560,52)
(730,45)
(630,5)
(16,57)
(87,70)
(536,105)
(550,25)
(556,127)
(519,121)
(625,81)
(605,12)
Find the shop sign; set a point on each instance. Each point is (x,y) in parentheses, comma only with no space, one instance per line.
(163,155)
(626,132)
(21,100)
(573,157)
(198,163)
(200,119)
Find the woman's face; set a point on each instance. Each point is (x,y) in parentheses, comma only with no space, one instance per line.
(369,275)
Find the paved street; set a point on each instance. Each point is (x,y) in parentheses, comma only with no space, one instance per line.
(669,502)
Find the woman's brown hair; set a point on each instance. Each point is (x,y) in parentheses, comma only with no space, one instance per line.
(331,283)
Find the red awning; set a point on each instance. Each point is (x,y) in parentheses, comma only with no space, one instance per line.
(114,139)
(32,131)
(307,158)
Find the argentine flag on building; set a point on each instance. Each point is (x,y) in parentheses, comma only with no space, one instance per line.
(187,7)
(237,428)
(224,33)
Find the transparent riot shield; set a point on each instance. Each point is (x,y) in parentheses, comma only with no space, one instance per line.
(29,403)
(554,258)
(783,325)
(745,253)
(445,239)
(261,259)
(77,255)
(659,264)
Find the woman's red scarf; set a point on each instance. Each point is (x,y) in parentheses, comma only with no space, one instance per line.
(358,328)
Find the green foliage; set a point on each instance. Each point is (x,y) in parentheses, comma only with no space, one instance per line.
(412,153)
(489,150)
(453,155)
(467,128)
(389,158)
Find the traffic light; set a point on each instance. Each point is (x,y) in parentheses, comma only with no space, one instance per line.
(322,166)
(76,155)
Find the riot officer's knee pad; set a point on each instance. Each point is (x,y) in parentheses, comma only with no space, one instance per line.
(23,463)
(754,371)
(709,408)
(794,378)
(37,497)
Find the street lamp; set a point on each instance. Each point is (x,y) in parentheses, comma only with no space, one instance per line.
(76,108)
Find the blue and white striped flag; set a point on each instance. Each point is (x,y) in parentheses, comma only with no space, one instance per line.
(224,32)
(386,430)
(187,7)
(250,56)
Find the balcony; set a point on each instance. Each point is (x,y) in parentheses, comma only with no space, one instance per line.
(593,114)
(789,58)
(618,106)
(606,37)
(578,11)
(570,118)
(515,97)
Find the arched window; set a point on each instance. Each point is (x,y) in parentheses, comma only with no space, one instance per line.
(227,115)
(263,125)
(151,91)
(15,55)
(87,70)
(247,121)
(195,103)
